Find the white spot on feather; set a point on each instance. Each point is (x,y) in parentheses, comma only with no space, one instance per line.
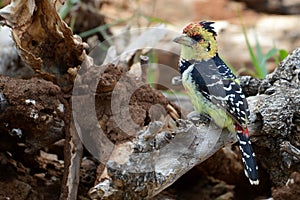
(243,142)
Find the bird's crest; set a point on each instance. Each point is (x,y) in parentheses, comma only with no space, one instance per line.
(208,27)
(193,28)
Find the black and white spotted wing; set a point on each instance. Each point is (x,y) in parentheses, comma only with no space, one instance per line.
(216,83)
(223,70)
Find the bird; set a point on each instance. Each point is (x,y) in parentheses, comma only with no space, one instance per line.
(213,88)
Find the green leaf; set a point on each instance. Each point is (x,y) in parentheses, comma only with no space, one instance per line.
(271,53)
(65,9)
(259,53)
(283,54)
(252,55)
(263,65)
(259,60)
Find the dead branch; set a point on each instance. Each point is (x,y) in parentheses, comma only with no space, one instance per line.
(48,46)
(44,40)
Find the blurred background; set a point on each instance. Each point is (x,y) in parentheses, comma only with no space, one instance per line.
(253,35)
(269,25)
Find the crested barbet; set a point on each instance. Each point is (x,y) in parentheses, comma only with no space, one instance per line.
(214,90)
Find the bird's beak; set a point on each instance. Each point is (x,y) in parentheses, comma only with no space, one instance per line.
(184,40)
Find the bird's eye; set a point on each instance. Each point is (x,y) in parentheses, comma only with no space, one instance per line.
(197,37)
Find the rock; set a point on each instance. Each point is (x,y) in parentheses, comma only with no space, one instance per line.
(278,110)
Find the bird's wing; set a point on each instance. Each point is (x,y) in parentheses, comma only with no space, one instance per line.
(223,69)
(223,91)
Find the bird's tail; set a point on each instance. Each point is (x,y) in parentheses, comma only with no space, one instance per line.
(248,156)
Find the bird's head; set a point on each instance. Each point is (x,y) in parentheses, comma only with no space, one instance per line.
(198,41)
